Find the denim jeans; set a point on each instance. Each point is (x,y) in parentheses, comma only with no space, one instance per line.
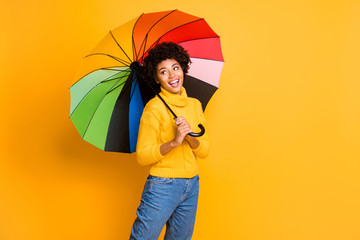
(170,201)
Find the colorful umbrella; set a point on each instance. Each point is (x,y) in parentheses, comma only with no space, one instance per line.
(108,98)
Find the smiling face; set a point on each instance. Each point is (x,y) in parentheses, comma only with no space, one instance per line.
(170,75)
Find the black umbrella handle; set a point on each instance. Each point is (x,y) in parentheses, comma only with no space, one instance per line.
(200,133)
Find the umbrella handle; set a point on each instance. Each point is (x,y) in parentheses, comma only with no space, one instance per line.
(200,133)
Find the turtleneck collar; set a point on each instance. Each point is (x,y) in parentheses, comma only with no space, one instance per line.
(174,99)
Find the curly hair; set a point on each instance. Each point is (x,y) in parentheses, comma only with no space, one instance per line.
(161,52)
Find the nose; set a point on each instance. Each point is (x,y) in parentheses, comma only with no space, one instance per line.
(171,74)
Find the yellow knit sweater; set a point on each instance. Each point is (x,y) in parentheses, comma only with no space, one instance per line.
(157,126)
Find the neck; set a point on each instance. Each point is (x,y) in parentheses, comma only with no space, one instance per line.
(174,98)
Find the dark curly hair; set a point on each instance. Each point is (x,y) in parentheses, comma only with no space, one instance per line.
(161,52)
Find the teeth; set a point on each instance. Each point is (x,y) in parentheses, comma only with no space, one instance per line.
(173,82)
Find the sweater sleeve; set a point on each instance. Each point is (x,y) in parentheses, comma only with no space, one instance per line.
(204,148)
(148,144)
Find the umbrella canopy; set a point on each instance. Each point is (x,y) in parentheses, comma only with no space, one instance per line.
(107,99)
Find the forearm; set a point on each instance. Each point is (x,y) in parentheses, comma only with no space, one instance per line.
(183,128)
(193,142)
(167,147)
(147,155)
(203,148)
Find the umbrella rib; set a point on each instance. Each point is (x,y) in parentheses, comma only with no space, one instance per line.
(89,92)
(173,30)
(113,57)
(200,19)
(87,127)
(132,93)
(98,70)
(197,39)
(112,89)
(109,80)
(119,45)
(208,59)
(94,88)
(126,87)
(112,69)
(156,43)
(147,34)
(201,39)
(132,38)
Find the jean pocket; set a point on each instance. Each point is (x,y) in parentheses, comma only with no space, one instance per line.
(159,180)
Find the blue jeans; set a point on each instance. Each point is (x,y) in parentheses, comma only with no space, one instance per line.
(170,201)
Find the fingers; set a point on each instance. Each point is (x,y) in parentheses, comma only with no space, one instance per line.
(183,129)
(183,124)
(180,120)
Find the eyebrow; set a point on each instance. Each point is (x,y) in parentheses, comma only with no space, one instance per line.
(171,66)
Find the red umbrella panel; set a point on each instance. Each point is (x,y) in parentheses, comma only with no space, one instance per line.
(107,98)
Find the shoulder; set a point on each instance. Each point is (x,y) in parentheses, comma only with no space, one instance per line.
(192,100)
(154,106)
(153,103)
(195,102)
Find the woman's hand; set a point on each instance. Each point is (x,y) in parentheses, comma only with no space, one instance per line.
(183,129)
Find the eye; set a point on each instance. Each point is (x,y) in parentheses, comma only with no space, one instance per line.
(176,68)
(163,72)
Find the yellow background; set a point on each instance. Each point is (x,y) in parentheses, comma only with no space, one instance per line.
(284,124)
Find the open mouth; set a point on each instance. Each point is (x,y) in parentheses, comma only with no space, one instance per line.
(174,83)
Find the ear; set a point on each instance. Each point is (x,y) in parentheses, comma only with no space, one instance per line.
(156,80)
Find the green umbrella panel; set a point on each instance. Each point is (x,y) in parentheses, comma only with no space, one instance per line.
(93,101)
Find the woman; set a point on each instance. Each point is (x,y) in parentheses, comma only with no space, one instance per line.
(171,191)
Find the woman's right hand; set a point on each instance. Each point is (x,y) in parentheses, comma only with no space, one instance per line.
(183,129)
